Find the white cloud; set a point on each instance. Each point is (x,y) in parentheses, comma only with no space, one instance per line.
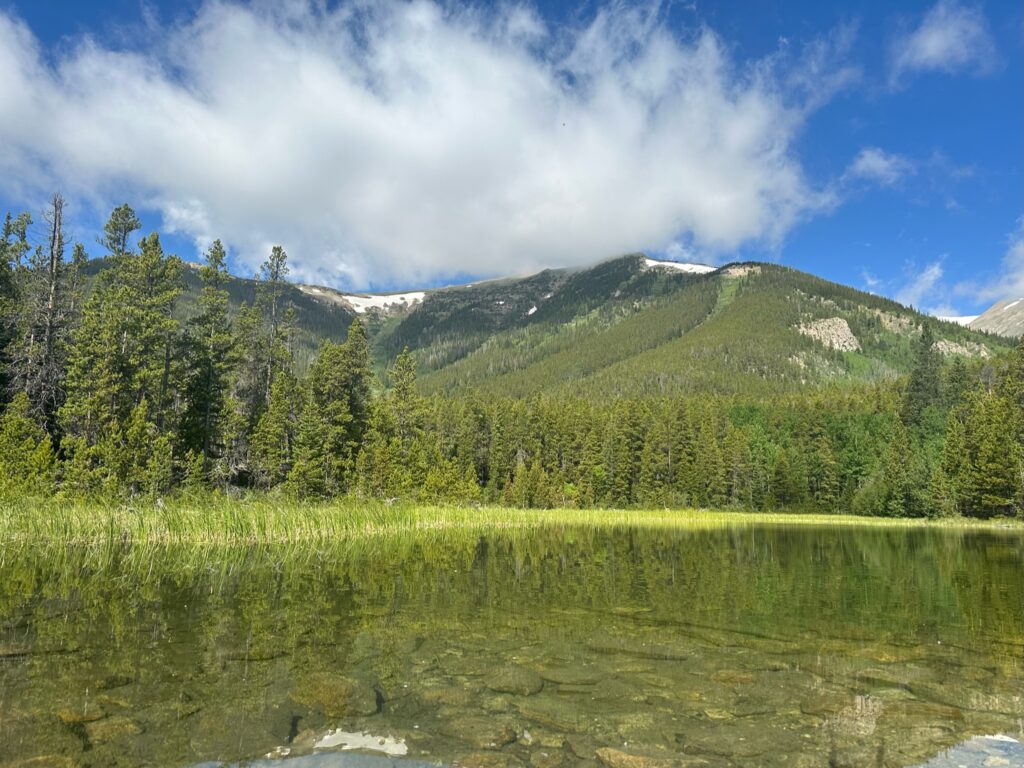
(950,38)
(1010,283)
(876,165)
(921,290)
(390,143)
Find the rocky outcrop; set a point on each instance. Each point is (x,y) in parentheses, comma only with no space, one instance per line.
(833,332)
(970,349)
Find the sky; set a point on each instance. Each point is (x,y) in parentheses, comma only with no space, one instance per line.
(403,145)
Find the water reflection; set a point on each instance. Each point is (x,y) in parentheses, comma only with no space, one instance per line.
(637,649)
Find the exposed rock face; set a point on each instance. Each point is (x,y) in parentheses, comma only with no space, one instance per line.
(833,332)
(742,270)
(896,323)
(970,349)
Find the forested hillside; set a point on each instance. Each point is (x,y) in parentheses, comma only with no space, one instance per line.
(625,384)
(750,329)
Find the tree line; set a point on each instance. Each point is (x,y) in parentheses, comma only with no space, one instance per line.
(108,393)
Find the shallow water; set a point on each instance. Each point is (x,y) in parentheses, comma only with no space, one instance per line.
(761,645)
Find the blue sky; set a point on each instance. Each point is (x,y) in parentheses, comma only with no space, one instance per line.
(397,145)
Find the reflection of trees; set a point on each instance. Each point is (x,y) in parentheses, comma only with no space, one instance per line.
(230,630)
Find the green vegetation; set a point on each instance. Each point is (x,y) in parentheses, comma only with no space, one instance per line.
(626,388)
(222,521)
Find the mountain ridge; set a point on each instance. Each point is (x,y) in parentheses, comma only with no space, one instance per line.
(628,325)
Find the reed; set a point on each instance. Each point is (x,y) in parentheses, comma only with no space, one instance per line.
(222,520)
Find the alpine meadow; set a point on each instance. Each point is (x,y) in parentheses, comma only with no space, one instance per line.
(519,384)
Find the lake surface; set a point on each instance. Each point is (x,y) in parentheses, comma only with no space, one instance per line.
(760,645)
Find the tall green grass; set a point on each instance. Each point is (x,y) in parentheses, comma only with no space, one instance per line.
(222,520)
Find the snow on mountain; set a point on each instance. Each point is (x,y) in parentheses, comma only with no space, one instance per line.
(958,319)
(695,269)
(361,302)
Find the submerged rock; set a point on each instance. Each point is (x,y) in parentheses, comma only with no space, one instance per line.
(516,679)
(487,760)
(553,713)
(617,758)
(481,732)
(336,696)
(111,729)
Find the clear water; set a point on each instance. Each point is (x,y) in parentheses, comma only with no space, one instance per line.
(765,646)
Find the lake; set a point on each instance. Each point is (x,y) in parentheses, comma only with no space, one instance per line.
(756,645)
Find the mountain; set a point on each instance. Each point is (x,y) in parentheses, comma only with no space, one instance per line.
(633,326)
(629,326)
(1004,317)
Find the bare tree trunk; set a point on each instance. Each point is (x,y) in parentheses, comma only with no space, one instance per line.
(50,373)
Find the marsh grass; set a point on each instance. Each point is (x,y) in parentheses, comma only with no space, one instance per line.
(222,520)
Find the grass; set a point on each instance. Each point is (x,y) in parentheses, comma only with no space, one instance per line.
(220,520)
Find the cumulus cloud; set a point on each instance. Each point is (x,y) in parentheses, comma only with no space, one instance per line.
(878,166)
(950,38)
(392,143)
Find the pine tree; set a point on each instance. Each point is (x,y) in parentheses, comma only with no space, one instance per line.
(14,247)
(923,388)
(996,464)
(655,484)
(394,461)
(270,299)
(26,452)
(118,229)
(313,471)
(824,473)
(896,476)
(122,351)
(327,442)
(273,440)
(738,468)
(210,359)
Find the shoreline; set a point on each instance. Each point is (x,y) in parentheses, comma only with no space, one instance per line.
(281,521)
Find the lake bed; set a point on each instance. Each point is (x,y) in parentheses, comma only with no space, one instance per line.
(554,647)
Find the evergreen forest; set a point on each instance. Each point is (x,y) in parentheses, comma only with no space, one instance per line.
(110,391)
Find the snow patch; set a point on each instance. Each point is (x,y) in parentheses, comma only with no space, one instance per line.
(361,302)
(383,301)
(1012,304)
(531,310)
(694,269)
(960,320)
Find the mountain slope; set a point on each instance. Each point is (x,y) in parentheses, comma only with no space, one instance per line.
(623,328)
(629,326)
(1004,317)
